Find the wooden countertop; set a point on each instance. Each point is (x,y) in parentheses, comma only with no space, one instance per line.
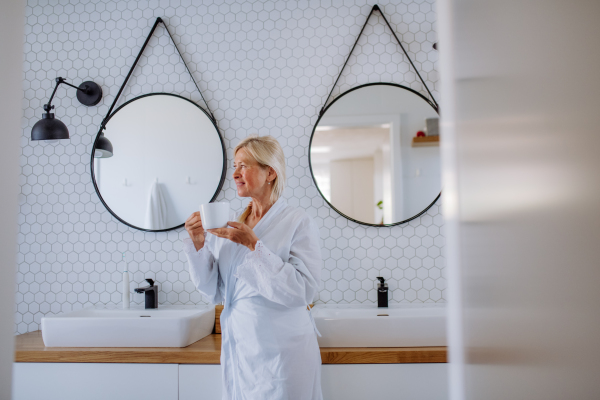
(29,347)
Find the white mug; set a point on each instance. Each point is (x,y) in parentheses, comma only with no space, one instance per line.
(214,215)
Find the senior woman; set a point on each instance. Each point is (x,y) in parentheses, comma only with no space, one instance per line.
(266,267)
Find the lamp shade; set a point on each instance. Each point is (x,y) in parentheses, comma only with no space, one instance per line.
(49,128)
(103,147)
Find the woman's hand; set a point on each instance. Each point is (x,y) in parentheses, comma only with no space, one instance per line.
(238,233)
(193,226)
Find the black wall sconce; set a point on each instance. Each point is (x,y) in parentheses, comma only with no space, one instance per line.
(103,148)
(50,128)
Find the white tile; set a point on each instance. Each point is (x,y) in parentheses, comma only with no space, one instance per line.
(255,79)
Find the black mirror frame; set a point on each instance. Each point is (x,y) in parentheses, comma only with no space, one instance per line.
(223,173)
(324,111)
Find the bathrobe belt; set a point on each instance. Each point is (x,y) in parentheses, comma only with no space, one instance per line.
(308,309)
(226,311)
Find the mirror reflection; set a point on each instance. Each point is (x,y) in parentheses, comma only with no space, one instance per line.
(375,154)
(168,157)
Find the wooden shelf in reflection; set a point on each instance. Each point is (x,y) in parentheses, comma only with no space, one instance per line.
(425,141)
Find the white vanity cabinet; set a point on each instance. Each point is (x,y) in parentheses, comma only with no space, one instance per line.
(385,381)
(200,382)
(338,381)
(103,381)
(96,381)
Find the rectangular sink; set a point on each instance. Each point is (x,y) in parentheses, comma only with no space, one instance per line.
(366,325)
(100,326)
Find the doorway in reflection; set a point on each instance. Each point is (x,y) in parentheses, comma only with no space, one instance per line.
(352,168)
(365,160)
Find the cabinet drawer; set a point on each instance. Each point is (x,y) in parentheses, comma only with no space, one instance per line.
(199,382)
(91,381)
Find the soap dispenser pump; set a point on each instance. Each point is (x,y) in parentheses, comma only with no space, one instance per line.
(382,292)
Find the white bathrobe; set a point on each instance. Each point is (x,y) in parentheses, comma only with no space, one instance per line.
(269,345)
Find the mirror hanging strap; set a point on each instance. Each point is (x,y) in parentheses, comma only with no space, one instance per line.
(188,70)
(159,20)
(376,8)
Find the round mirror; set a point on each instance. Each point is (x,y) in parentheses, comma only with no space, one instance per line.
(375,156)
(168,157)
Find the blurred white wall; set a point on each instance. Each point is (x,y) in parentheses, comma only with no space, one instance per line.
(12,22)
(521,160)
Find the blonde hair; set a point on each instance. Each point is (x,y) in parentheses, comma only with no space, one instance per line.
(267,152)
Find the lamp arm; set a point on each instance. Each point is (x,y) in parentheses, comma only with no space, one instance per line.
(84,90)
(48,106)
(59,80)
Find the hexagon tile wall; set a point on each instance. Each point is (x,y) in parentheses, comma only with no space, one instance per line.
(264,67)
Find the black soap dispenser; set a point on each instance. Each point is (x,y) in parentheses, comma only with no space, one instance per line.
(382,293)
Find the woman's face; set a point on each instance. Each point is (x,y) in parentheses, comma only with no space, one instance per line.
(250,177)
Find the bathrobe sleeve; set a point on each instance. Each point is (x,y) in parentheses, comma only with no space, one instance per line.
(204,270)
(293,282)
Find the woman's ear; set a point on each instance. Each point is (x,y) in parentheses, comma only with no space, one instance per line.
(272,175)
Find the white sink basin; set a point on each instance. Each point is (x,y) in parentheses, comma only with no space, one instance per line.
(166,326)
(399,325)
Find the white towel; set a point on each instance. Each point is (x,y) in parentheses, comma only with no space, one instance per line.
(156,212)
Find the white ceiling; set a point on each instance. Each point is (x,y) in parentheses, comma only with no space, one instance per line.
(348,142)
